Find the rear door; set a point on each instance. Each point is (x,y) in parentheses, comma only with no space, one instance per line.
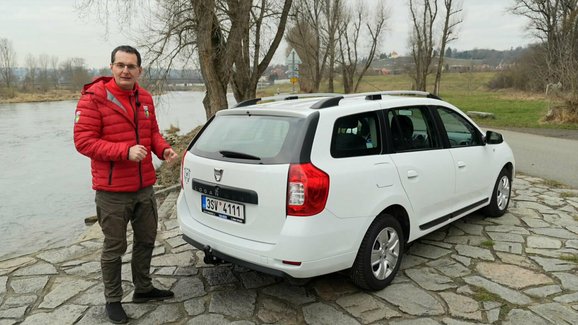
(425,168)
(237,171)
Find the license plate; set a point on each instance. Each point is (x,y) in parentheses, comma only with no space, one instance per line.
(223,209)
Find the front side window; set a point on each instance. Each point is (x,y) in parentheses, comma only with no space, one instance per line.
(411,129)
(356,135)
(460,132)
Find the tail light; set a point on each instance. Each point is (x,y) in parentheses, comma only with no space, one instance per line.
(307,190)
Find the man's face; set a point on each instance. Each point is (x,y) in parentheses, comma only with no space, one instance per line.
(125,70)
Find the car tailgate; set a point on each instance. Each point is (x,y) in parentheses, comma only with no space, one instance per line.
(243,200)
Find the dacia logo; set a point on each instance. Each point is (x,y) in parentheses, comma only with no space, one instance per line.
(218,174)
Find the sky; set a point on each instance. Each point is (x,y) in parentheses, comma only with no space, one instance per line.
(56,28)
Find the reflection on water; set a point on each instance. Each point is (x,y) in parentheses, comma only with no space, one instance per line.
(45,184)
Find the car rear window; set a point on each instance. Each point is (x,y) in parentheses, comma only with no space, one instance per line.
(250,138)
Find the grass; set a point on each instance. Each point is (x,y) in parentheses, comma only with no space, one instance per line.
(487,243)
(467,91)
(52,95)
(483,295)
(554,184)
(566,195)
(569,258)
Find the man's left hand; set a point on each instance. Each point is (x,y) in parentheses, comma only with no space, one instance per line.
(169,155)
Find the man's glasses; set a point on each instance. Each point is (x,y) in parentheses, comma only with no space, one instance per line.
(121,66)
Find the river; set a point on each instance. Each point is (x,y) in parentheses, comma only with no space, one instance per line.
(45,184)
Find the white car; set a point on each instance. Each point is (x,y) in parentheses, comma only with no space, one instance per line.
(301,187)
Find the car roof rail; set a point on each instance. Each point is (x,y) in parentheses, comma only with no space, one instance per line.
(327,102)
(283,97)
(378,95)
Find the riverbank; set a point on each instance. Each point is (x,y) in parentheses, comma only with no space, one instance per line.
(49,96)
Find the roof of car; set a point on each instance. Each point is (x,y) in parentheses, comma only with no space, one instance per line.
(305,104)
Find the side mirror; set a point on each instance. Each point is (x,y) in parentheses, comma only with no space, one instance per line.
(493,137)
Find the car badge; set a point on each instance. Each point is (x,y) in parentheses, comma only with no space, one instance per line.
(218,174)
(187,175)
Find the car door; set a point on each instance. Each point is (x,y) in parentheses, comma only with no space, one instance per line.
(425,168)
(361,176)
(470,157)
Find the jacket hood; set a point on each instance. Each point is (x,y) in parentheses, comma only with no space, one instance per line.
(97,83)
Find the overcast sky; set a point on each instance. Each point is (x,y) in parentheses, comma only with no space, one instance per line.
(55,28)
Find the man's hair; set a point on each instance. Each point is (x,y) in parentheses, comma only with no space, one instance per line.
(127,49)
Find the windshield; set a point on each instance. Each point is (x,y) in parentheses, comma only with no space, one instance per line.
(252,138)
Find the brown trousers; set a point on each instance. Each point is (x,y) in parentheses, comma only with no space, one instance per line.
(114,211)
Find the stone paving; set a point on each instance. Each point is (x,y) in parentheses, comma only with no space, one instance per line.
(517,269)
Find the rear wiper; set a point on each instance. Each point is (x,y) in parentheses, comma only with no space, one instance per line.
(235,154)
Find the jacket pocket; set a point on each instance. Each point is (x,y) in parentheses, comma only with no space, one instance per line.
(110,173)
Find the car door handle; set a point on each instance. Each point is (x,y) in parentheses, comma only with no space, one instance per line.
(412,174)
(461,164)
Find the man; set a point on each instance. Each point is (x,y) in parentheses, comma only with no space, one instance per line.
(116,127)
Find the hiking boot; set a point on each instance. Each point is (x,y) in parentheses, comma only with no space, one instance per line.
(116,313)
(153,295)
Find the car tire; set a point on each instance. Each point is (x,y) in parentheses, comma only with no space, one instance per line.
(379,255)
(500,195)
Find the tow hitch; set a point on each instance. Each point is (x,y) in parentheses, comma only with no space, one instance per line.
(210,258)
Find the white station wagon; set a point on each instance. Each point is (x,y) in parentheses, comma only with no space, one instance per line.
(305,185)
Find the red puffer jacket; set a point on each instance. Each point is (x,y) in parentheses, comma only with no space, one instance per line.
(104,131)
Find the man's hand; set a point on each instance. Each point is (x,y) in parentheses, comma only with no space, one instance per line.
(170,155)
(137,153)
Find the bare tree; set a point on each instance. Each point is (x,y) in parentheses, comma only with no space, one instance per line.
(219,32)
(54,73)
(7,62)
(453,18)
(31,73)
(555,23)
(305,36)
(44,72)
(353,65)
(268,18)
(423,14)
(334,12)
(74,73)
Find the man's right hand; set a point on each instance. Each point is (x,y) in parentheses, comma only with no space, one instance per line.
(137,153)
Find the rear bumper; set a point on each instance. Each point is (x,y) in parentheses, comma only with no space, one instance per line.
(322,244)
(233,259)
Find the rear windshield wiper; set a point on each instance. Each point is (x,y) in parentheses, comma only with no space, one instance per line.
(235,154)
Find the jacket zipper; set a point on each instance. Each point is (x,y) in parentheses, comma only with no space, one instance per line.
(135,110)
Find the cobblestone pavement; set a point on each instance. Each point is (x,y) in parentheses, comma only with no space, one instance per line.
(517,269)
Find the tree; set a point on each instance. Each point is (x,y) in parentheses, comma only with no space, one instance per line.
(334,12)
(423,15)
(352,65)
(31,73)
(74,73)
(220,32)
(555,23)
(452,19)
(44,72)
(7,62)
(267,18)
(305,36)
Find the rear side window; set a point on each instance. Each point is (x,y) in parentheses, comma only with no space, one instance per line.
(252,138)
(356,135)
